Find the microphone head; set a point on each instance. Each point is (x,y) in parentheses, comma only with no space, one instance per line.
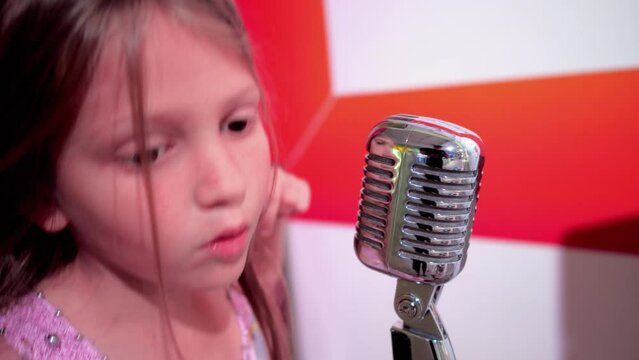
(418,199)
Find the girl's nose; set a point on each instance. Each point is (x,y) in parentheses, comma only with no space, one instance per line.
(219,179)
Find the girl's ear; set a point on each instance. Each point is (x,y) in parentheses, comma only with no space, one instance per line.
(54,222)
(50,217)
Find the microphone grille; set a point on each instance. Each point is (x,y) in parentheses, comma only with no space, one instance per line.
(379,175)
(418,198)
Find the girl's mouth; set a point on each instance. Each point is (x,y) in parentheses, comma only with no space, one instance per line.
(229,246)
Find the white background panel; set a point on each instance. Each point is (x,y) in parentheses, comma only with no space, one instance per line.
(513,300)
(382,45)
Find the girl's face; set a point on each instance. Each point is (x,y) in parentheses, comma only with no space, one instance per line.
(211,171)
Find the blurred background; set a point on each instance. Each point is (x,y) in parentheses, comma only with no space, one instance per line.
(552,87)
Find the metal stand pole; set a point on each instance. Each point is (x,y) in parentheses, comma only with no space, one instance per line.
(421,334)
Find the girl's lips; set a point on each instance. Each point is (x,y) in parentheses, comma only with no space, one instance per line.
(230,245)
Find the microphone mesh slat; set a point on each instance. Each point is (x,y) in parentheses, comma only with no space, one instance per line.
(446,176)
(446,202)
(433,238)
(444,189)
(438,213)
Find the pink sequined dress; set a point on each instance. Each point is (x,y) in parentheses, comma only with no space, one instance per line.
(38,331)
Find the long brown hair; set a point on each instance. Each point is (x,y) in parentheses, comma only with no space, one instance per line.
(48,53)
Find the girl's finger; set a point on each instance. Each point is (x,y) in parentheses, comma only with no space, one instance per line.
(295,196)
(267,222)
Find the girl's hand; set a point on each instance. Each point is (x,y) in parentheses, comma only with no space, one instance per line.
(291,195)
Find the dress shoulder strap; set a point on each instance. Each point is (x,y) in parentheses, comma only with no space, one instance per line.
(253,342)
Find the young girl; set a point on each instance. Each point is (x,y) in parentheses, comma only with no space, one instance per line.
(141,210)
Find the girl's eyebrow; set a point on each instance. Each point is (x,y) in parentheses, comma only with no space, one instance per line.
(122,125)
(249,94)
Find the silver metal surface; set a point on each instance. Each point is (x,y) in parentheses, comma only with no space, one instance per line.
(408,345)
(418,198)
(417,208)
(423,315)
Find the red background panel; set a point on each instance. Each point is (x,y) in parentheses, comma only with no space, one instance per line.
(561,160)
(289,43)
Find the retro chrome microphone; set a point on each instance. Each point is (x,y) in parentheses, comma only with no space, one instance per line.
(417,207)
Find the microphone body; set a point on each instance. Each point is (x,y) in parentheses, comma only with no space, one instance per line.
(417,207)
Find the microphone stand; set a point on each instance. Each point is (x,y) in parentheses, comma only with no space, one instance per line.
(421,335)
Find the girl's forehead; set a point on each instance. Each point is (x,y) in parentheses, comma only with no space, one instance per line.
(159,39)
(174,60)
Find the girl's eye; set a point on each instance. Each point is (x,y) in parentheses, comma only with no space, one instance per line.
(237,125)
(152,155)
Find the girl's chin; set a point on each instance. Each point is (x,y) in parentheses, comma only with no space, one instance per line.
(219,278)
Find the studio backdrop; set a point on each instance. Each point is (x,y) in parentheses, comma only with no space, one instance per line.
(552,87)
